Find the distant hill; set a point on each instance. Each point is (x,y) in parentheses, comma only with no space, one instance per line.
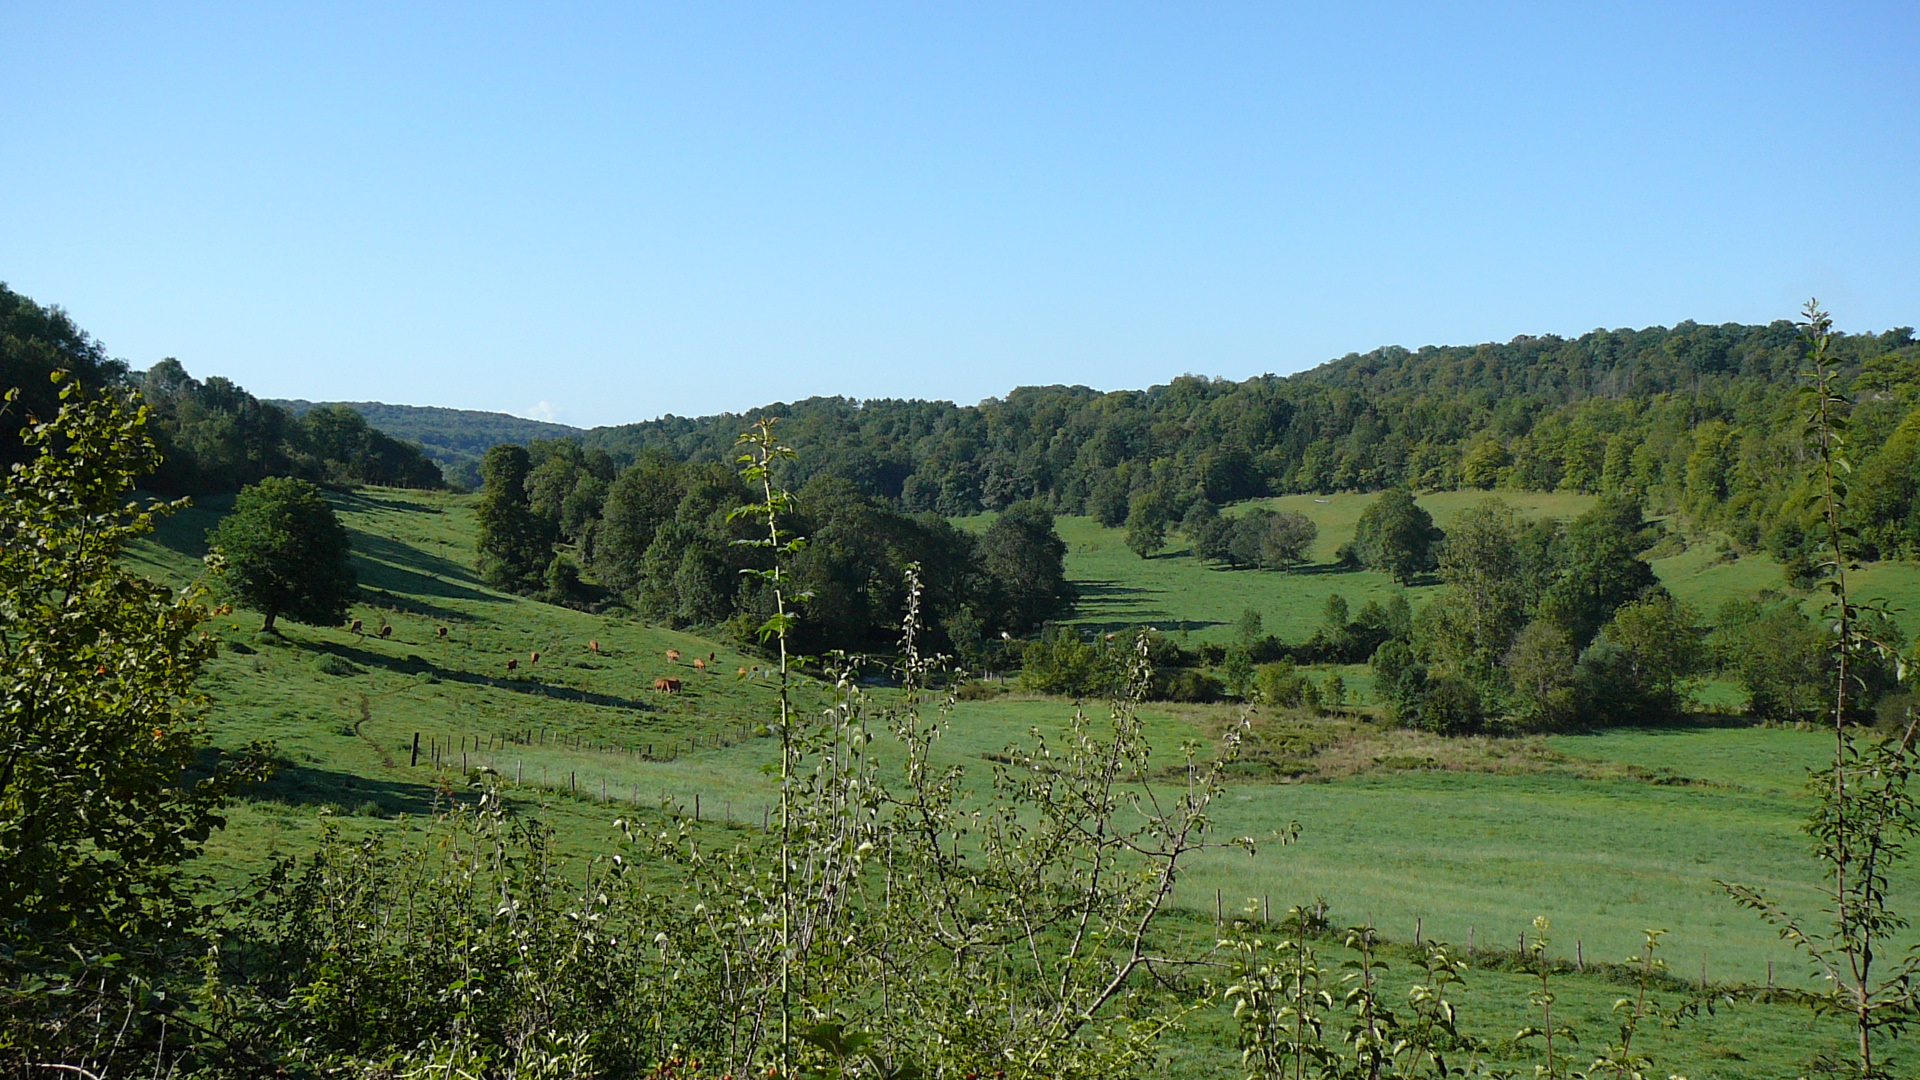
(456,439)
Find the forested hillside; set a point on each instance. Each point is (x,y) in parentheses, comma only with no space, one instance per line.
(1694,418)
(213,435)
(456,439)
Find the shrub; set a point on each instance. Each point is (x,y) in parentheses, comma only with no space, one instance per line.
(335,664)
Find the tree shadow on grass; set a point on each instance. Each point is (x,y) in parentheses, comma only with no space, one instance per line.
(1098,587)
(388,564)
(360,499)
(406,604)
(305,785)
(1325,568)
(1300,569)
(1106,607)
(1165,626)
(1687,723)
(418,665)
(185,532)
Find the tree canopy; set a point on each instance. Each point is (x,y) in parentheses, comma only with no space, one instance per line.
(286,553)
(99,720)
(1396,536)
(1690,417)
(515,544)
(213,436)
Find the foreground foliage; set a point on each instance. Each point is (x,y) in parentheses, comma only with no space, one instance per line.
(99,728)
(1866,815)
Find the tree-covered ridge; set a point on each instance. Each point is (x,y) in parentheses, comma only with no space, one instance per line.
(212,434)
(456,439)
(1692,418)
(218,437)
(35,342)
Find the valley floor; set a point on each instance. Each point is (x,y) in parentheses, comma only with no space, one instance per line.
(1463,840)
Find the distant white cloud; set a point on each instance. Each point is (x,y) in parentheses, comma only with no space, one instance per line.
(546,411)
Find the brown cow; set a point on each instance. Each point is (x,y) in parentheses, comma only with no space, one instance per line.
(742,673)
(355,627)
(673,655)
(386,632)
(710,657)
(513,665)
(593,647)
(699,664)
(442,631)
(671,686)
(534,656)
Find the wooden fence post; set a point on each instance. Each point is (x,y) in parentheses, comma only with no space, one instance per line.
(415,762)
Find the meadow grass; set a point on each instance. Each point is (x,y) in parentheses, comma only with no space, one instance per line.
(1184,595)
(1607,833)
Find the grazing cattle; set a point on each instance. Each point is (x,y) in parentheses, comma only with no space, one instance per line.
(593,647)
(442,631)
(356,627)
(673,655)
(741,673)
(699,664)
(386,632)
(513,665)
(710,657)
(534,657)
(671,686)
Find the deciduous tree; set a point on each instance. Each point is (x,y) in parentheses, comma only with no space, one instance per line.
(515,543)
(286,553)
(1396,536)
(1025,560)
(99,718)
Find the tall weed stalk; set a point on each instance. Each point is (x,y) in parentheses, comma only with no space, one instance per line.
(1865,815)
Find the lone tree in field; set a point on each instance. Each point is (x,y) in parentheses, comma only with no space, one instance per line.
(286,553)
(1396,536)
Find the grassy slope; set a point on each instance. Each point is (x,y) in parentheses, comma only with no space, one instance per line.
(1604,856)
(414,557)
(1175,591)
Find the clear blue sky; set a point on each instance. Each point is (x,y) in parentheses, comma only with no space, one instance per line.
(615,211)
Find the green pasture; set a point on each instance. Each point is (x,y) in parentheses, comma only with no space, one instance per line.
(343,709)
(1179,593)
(1403,843)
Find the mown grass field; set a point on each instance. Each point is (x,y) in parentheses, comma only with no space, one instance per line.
(1606,834)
